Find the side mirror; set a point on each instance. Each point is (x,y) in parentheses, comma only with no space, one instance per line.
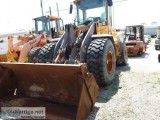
(110,2)
(71,9)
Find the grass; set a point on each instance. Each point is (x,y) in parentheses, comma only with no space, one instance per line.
(127,111)
(158,81)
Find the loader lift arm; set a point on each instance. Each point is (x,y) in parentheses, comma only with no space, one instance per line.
(23,47)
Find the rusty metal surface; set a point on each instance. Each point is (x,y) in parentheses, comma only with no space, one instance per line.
(3,57)
(54,18)
(7,85)
(135,47)
(53,111)
(26,37)
(132,50)
(64,87)
(134,41)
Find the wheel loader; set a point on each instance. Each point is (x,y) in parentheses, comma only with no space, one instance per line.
(66,75)
(18,52)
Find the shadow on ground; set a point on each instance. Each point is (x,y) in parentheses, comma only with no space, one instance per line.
(93,113)
(106,93)
(142,56)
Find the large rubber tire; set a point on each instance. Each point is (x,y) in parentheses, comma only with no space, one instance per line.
(101,60)
(32,56)
(157,47)
(46,53)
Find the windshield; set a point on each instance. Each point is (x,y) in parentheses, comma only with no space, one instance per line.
(91,12)
(90,17)
(41,25)
(130,30)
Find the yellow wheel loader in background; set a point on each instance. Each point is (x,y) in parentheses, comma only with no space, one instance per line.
(84,57)
(18,52)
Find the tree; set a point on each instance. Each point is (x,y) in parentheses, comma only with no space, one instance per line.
(154,23)
(143,23)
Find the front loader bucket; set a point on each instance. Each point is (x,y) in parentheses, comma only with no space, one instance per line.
(68,92)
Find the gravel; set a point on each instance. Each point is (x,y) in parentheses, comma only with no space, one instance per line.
(135,92)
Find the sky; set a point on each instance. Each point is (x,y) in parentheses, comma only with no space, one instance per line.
(18,14)
(136,12)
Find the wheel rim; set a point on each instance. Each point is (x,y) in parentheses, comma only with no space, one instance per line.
(109,61)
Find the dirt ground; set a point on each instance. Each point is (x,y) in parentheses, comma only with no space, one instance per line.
(135,92)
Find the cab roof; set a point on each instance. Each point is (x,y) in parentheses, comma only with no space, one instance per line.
(52,18)
(89,4)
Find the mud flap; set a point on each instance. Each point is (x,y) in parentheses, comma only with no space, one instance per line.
(67,91)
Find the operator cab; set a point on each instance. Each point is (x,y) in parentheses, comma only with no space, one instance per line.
(50,25)
(88,11)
